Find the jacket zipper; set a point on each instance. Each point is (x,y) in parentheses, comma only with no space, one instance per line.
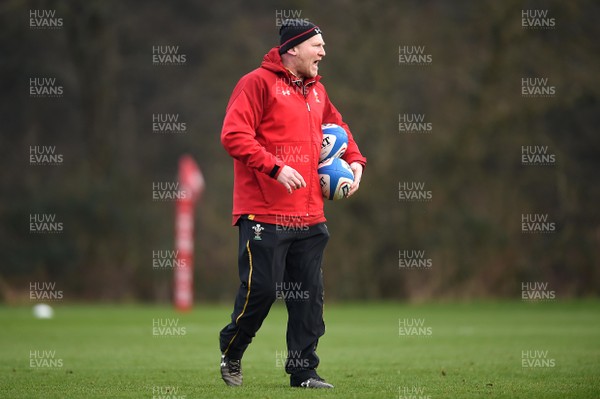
(307,91)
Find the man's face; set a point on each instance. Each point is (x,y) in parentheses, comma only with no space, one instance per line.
(307,56)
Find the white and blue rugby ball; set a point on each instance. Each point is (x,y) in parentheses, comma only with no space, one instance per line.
(335,141)
(335,177)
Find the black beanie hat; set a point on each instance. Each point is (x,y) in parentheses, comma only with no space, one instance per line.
(294,32)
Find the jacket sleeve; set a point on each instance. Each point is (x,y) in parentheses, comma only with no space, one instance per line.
(332,115)
(242,118)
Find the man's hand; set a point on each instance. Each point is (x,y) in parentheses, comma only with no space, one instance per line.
(291,179)
(357,169)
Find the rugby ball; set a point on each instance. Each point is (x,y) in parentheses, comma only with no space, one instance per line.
(335,141)
(335,177)
(43,311)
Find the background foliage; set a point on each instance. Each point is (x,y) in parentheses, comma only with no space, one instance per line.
(471,93)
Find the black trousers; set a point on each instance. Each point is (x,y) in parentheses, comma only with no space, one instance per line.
(280,261)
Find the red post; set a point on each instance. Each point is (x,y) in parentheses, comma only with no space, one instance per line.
(191,186)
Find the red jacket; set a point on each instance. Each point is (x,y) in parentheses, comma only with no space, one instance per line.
(269,123)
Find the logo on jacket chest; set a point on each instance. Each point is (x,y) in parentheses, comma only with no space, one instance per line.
(287,87)
(316,94)
(287,92)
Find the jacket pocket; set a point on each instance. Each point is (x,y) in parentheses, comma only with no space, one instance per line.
(300,156)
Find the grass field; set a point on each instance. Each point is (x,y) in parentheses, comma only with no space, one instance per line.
(455,351)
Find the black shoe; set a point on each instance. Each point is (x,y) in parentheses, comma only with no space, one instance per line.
(231,371)
(317,382)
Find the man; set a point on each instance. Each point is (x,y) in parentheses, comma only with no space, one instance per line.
(272,129)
